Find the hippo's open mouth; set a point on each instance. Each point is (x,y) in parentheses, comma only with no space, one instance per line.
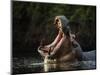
(60,22)
(51,48)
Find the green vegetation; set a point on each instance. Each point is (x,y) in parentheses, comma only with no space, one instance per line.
(34,21)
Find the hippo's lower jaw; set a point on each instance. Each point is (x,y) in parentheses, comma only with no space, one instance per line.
(52,48)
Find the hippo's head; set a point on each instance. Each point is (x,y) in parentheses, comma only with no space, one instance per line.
(61,23)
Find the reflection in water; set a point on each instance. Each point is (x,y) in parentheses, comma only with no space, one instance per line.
(49,67)
(30,65)
(69,66)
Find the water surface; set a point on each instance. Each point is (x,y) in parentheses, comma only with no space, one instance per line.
(24,65)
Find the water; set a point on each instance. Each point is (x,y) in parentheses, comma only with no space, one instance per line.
(23,65)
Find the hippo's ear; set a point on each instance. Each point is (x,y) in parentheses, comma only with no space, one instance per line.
(72,37)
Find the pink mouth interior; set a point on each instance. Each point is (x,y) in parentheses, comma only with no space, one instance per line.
(46,49)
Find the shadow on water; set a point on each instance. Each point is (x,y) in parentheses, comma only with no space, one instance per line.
(24,65)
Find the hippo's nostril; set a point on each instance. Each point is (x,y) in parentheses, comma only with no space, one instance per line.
(40,48)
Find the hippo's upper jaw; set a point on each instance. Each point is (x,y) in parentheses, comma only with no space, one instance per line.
(51,49)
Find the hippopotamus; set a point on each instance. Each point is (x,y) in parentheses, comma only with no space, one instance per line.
(64,48)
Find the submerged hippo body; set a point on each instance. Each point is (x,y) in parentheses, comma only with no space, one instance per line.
(89,56)
(64,48)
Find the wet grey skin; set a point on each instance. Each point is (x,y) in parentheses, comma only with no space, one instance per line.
(80,55)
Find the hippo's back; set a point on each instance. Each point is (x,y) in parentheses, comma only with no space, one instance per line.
(90,55)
